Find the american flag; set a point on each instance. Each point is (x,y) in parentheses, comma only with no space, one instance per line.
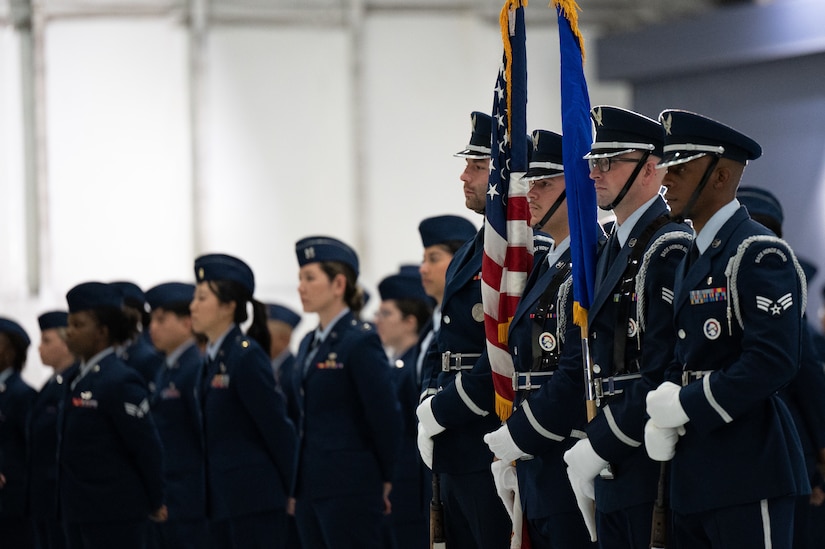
(508,237)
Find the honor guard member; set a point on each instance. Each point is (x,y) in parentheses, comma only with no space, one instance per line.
(630,331)
(42,433)
(16,400)
(351,424)
(802,395)
(177,414)
(403,311)
(249,440)
(549,412)
(441,236)
(137,351)
(473,513)
(110,454)
(738,305)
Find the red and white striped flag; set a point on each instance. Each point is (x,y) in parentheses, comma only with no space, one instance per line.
(508,237)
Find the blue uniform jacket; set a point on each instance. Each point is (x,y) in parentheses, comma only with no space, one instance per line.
(411,486)
(802,397)
(111,459)
(461,450)
(351,423)
(143,357)
(16,400)
(43,435)
(249,441)
(177,414)
(617,432)
(546,421)
(285,384)
(741,445)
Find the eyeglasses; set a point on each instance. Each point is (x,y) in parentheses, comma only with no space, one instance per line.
(540,183)
(604,163)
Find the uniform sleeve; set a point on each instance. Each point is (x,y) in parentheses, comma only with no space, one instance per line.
(372,380)
(557,410)
(128,408)
(468,398)
(619,429)
(766,298)
(255,387)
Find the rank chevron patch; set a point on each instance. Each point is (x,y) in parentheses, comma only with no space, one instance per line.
(774,307)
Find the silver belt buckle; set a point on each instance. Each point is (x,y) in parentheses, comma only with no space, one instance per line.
(445,361)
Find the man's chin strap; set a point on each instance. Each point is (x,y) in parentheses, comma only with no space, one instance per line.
(630,181)
(551,211)
(697,191)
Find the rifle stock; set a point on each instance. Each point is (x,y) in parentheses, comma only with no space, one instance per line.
(658,528)
(437,538)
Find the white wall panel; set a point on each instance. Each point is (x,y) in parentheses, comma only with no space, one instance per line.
(119,175)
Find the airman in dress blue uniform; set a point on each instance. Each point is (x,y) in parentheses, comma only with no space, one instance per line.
(630,332)
(249,440)
(137,351)
(404,310)
(43,425)
(351,425)
(441,236)
(549,412)
(16,400)
(474,515)
(802,394)
(738,305)
(110,455)
(176,409)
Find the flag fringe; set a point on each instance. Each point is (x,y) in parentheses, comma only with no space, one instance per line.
(570,10)
(503,331)
(579,314)
(504,407)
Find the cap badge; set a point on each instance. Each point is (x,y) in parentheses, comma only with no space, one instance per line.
(536,142)
(309,252)
(200,273)
(597,116)
(667,122)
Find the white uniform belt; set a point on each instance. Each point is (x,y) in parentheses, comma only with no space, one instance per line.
(609,386)
(458,361)
(527,381)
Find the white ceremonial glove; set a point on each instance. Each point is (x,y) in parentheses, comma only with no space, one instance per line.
(425,447)
(583,464)
(663,406)
(518,525)
(660,442)
(426,419)
(503,446)
(506,481)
